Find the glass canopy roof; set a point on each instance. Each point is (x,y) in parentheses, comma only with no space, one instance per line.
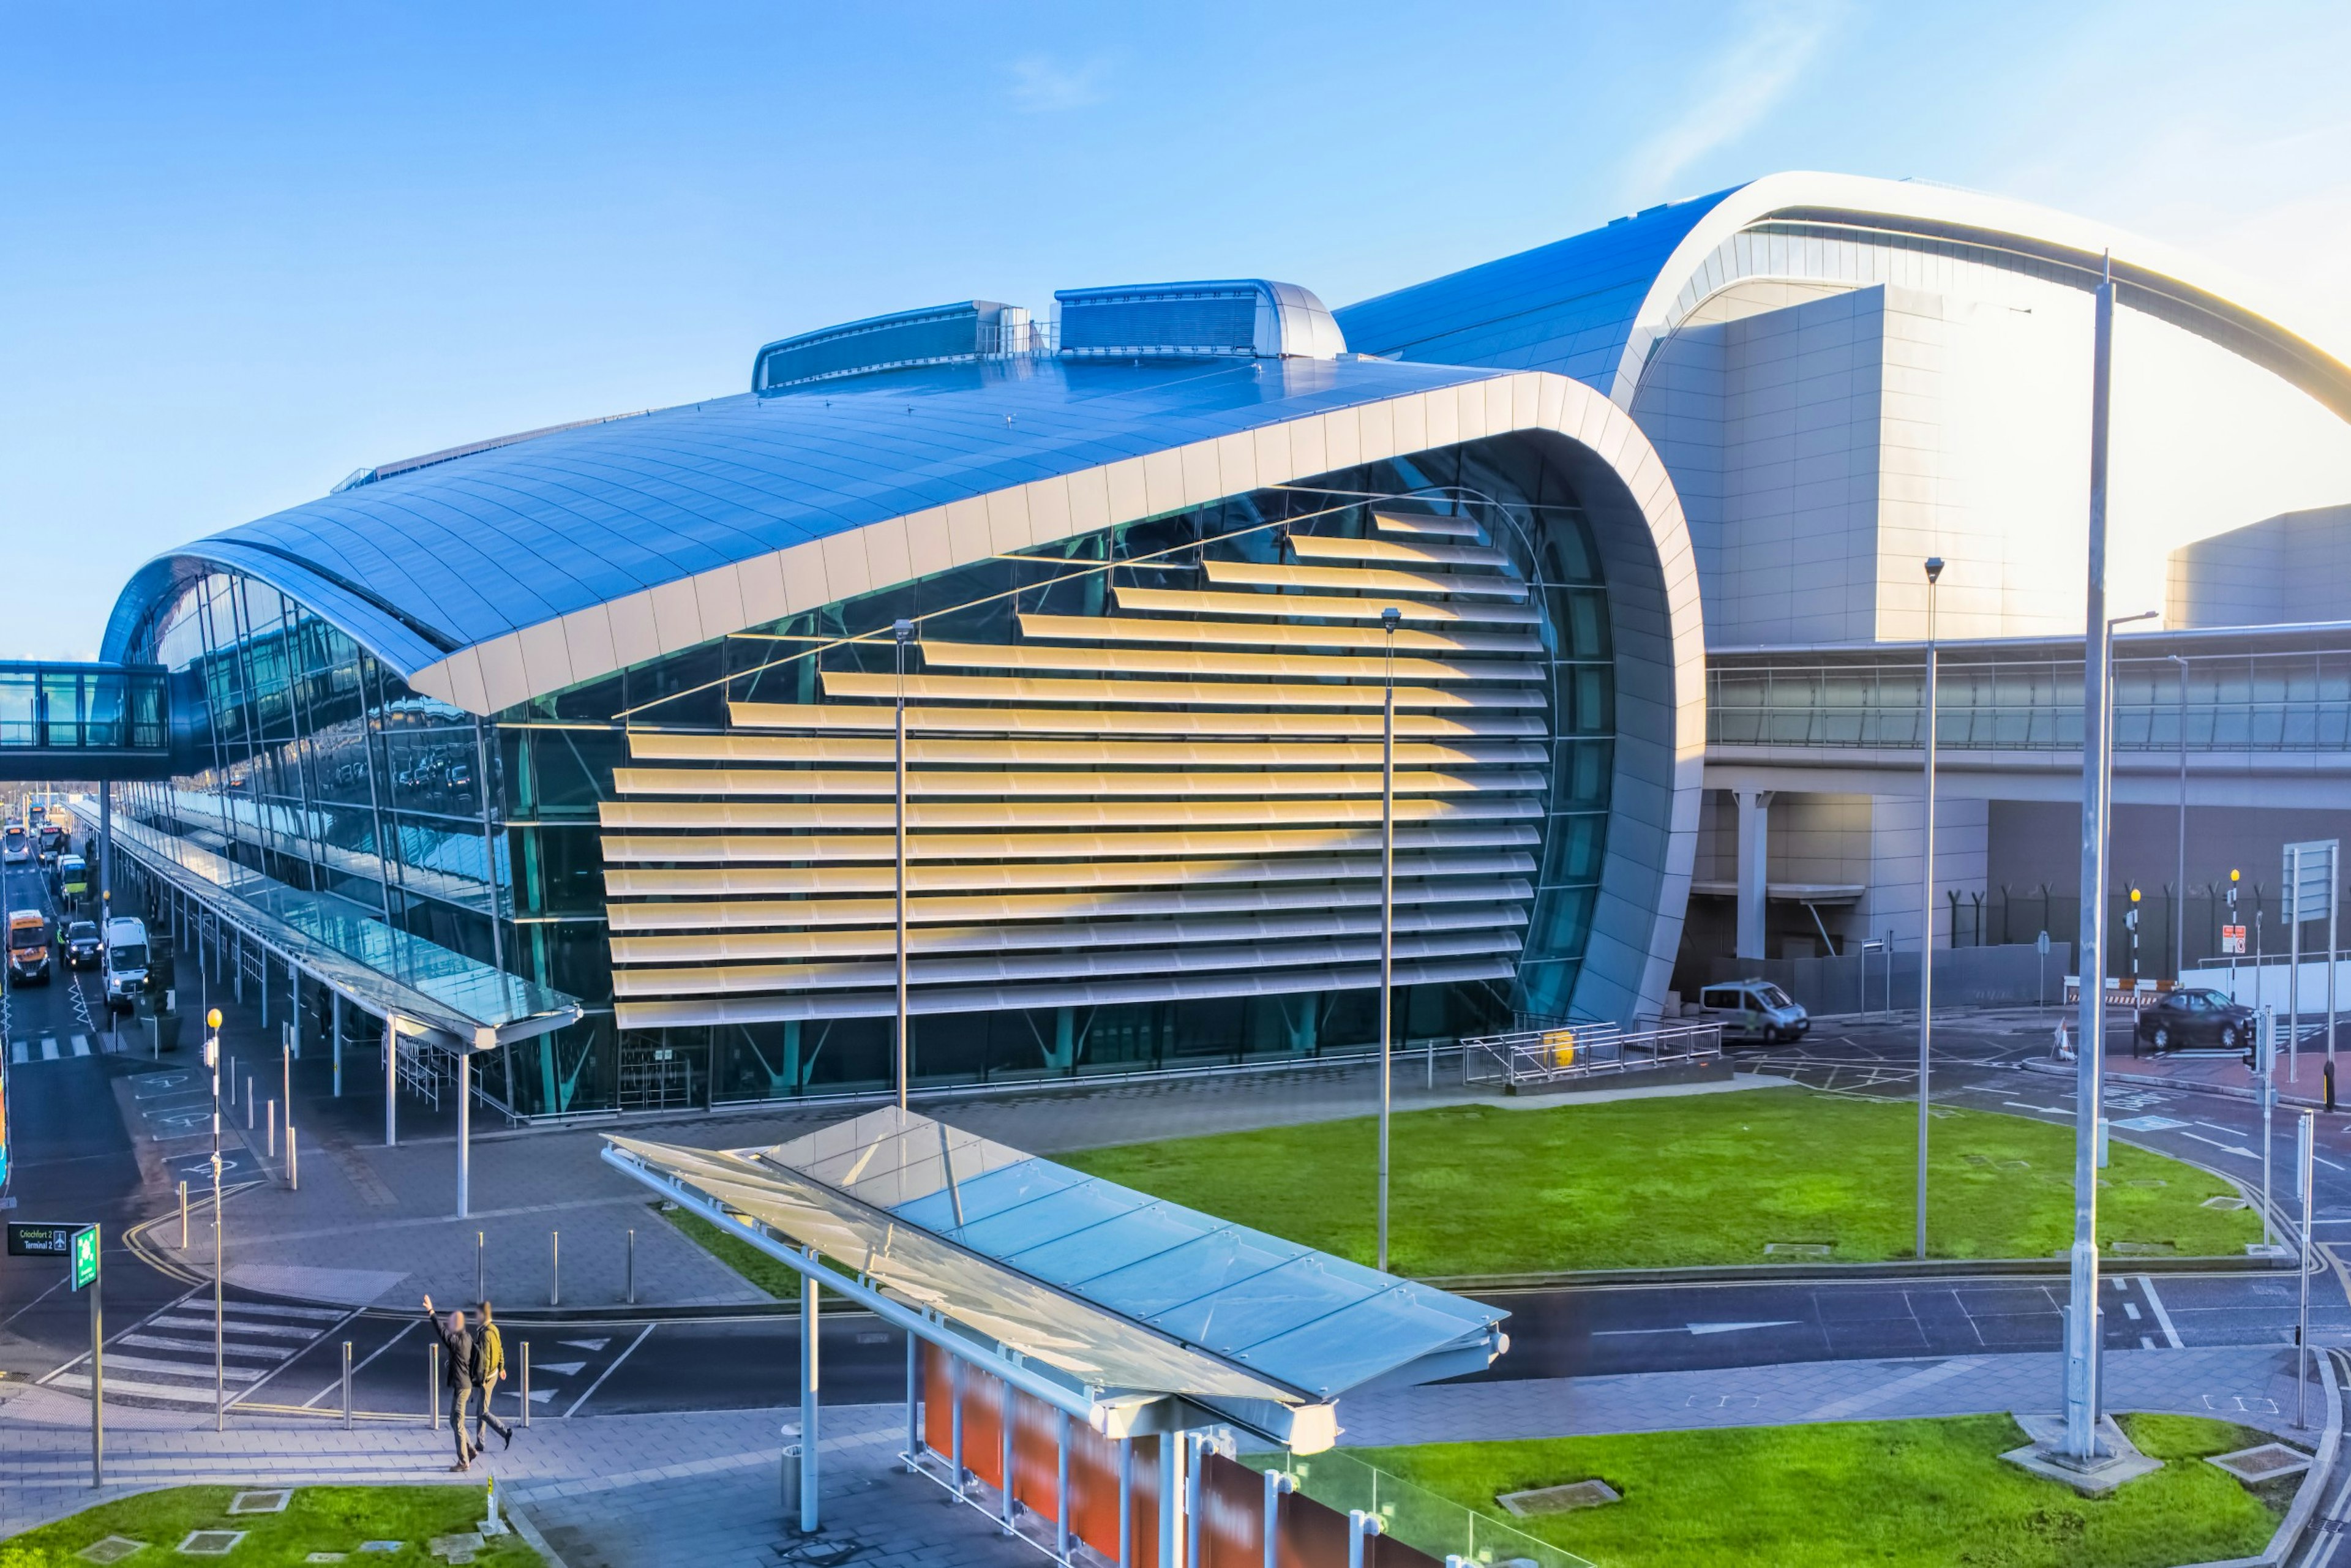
(1119,1289)
(384,970)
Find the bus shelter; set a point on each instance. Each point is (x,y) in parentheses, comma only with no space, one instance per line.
(1083,1359)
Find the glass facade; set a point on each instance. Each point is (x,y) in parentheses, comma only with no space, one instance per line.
(311,762)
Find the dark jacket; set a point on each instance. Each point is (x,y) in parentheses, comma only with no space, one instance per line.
(461,1364)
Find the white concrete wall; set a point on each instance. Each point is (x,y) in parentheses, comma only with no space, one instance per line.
(1825,445)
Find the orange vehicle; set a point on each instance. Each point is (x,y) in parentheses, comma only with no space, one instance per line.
(28,947)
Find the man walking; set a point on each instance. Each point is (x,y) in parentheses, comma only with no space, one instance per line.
(465,1371)
(492,1352)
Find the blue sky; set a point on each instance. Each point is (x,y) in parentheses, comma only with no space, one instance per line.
(245,249)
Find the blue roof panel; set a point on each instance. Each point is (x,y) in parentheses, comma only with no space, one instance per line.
(1567,307)
(438,557)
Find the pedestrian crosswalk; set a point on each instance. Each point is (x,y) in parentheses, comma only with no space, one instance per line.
(168,1357)
(48,1048)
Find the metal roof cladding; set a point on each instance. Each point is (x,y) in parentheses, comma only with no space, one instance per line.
(1568,306)
(1313,1324)
(420,564)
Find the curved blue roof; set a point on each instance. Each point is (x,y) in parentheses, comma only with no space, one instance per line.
(434,559)
(1569,307)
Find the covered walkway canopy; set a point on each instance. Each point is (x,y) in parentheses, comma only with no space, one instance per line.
(1136,1307)
(1071,1324)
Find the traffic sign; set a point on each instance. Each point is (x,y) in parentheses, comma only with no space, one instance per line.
(2232,940)
(85,1256)
(29,1238)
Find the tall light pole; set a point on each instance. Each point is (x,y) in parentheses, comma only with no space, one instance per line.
(220,1341)
(904,630)
(1926,907)
(1388,619)
(2081,1440)
(2179,894)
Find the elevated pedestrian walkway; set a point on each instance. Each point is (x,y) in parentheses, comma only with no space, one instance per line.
(74,722)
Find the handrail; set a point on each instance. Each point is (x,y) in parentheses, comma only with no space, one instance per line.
(1536,1056)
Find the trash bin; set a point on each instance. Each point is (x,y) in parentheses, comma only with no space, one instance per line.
(791,1480)
(166,1028)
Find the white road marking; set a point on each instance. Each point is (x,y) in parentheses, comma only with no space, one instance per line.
(561,1368)
(2225,1148)
(18,1054)
(2045,1110)
(2155,1305)
(81,1045)
(2130,1308)
(608,1371)
(1698,1328)
(585,1343)
(50,1048)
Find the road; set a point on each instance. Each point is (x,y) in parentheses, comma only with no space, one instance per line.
(76,1158)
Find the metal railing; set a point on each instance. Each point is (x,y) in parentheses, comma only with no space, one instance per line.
(1413,1515)
(1569,1051)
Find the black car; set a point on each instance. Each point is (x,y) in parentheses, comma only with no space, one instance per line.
(81,943)
(2180,1019)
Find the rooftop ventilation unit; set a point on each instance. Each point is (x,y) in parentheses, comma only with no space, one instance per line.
(941,335)
(1246,317)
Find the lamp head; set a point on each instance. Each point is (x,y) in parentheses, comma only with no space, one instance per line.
(905,628)
(1934,569)
(2233,875)
(2133,895)
(1389,617)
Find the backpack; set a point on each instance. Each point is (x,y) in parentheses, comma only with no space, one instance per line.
(490,1354)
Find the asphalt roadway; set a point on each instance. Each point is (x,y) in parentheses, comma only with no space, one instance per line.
(73,1160)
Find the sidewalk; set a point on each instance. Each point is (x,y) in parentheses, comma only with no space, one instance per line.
(373,1224)
(638,1491)
(614,1491)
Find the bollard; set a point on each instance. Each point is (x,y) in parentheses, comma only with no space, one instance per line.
(272,1120)
(293,1166)
(432,1384)
(248,1103)
(347,1385)
(555,1267)
(632,1268)
(183,1216)
(790,1491)
(526,1382)
(478,1265)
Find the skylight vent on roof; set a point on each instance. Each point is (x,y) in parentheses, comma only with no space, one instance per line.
(1239,318)
(941,335)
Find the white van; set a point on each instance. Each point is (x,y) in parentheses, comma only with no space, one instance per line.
(126,963)
(1753,1010)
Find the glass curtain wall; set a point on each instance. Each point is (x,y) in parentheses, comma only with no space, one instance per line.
(305,759)
(302,758)
(559,752)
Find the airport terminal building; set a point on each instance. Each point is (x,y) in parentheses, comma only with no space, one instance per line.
(586,741)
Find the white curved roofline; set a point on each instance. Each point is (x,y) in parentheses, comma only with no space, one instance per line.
(1852,197)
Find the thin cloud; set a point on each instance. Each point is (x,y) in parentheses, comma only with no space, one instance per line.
(1735,89)
(1042,85)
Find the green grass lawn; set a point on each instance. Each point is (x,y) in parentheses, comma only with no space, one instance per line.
(1826,1496)
(317,1519)
(1696,1179)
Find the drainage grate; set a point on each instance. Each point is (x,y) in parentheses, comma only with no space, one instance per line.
(113,1548)
(2267,1461)
(272,1500)
(210,1542)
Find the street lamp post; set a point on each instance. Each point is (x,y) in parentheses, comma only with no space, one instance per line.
(2081,1446)
(220,1338)
(902,630)
(1926,907)
(2180,885)
(1388,619)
